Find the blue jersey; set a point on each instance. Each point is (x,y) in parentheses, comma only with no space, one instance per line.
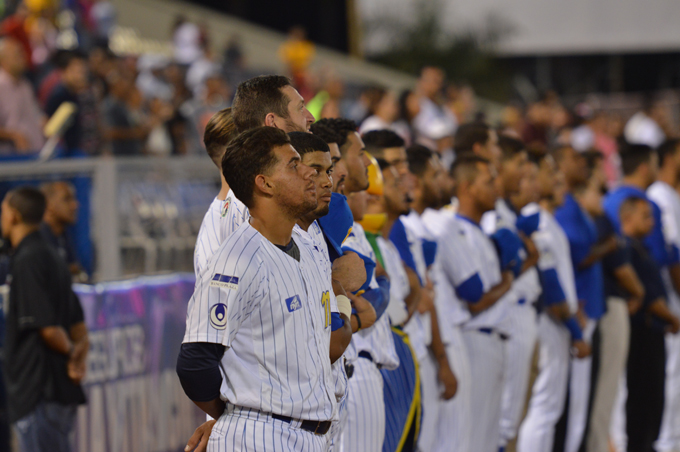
(582,234)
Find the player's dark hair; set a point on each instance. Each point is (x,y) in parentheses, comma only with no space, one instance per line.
(470,134)
(536,156)
(630,204)
(668,147)
(418,157)
(378,140)
(327,134)
(304,143)
(465,167)
(29,202)
(247,156)
(257,97)
(342,127)
(219,131)
(633,156)
(382,163)
(510,147)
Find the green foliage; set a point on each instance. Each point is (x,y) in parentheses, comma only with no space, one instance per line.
(467,56)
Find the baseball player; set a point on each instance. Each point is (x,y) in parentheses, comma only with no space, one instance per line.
(557,324)
(663,193)
(483,334)
(439,381)
(371,348)
(520,323)
(260,312)
(582,234)
(402,386)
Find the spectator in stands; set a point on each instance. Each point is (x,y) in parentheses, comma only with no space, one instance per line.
(21,120)
(297,53)
(186,39)
(384,113)
(123,129)
(215,96)
(435,124)
(646,126)
(61,212)
(14,26)
(46,339)
(73,88)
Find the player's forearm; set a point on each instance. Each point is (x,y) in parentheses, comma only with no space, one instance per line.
(599,251)
(629,281)
(532,251)
(213,408)
(559,311)
(56,338)
(340,339)
(492,296)
(437,346)
(659,309)
(674,271)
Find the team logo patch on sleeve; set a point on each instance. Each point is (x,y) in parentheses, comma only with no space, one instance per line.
(218,316)
(293,303)
(225,206)
(226,281)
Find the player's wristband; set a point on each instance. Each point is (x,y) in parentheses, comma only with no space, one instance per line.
(574,328)
(344,305)
(358,320)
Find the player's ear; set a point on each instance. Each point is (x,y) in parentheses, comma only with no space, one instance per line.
(270,120)
(263,184)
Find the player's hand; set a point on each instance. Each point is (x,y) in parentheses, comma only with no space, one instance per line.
(199,440)
(581,317)
(673,326)
(634,305)
(77,363)
(380,271)
(350,271)
(364,310)
(426,303)
(448,380)
(580,349)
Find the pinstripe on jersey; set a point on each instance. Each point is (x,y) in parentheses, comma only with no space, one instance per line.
(219,222)
(399,283)
(266,308)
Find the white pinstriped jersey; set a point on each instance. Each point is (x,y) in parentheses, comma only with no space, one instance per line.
(399,283)
(527,286)
(219,222)
(668,201)
(315,237)
(490,273)
(419,327)
(376,340)
(454,265)
(554,251)
(273,315)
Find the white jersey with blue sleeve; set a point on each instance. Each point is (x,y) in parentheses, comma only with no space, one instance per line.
(399,283)
(487,263)
(376,340)
(272,313)
(219,222)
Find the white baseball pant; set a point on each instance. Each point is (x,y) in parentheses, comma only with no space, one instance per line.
(486,353)
(669,438)
(520,323)
(579,394)
(430,402)
(365,429)
(453,428)
(549,393)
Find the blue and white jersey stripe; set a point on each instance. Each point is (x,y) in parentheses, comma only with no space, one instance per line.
(271,313)
(377,340)
(489,271)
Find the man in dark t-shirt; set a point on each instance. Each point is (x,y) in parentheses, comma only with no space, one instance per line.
(46,339)
(647,356)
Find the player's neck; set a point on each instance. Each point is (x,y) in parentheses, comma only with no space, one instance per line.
(272,223)
(668,175)
(467,209)
(224,191)
(20,232)
(635,181)
(55,226)
(419,206)
(305,223)
(387,227)
(547,204)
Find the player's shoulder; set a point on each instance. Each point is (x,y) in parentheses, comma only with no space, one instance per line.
(240,248)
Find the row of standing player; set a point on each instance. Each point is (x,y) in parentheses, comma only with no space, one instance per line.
(488,325)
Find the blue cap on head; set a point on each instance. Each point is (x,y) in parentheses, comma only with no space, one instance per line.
(337,224)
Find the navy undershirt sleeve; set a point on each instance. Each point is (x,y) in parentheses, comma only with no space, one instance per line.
(198,368)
